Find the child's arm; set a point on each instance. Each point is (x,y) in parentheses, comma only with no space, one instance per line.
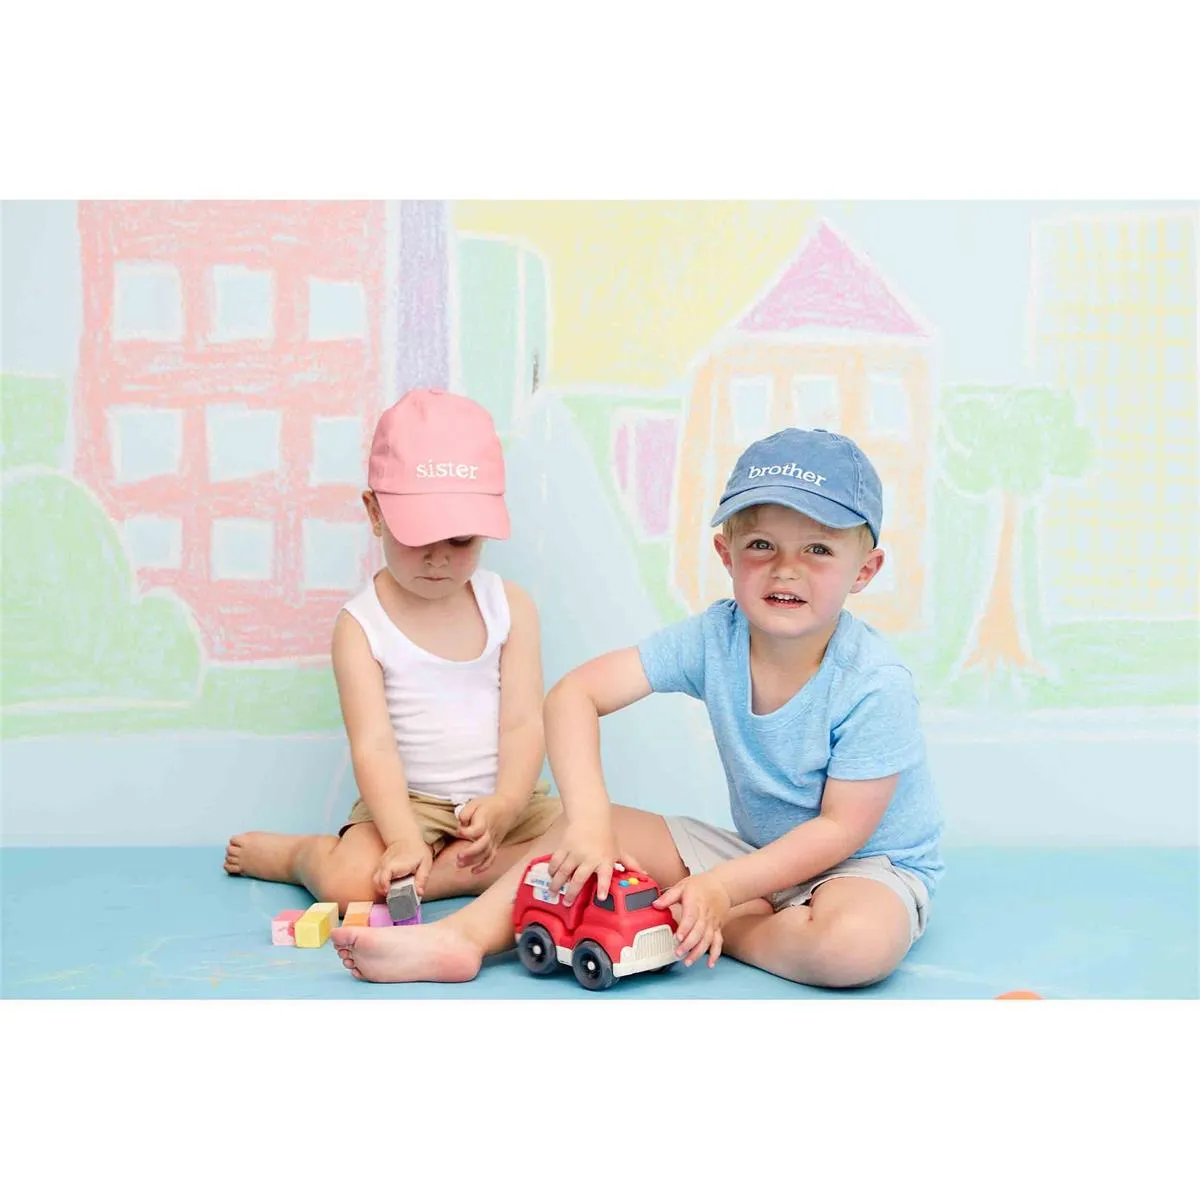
(850,812)
(572,714)
(378,769)
(486,820)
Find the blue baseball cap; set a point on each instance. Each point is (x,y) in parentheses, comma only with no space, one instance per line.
(823,475)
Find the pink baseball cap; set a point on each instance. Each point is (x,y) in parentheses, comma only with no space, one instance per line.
(437,470)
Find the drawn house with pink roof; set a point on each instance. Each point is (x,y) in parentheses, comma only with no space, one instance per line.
(830,346)
(229,382)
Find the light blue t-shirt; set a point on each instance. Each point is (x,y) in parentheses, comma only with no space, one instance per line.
(857,718)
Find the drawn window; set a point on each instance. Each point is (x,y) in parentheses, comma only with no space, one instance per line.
(155,542)
(146,442)
(815,403)
(148,304)
(338,454)
(750,399)
(243,549)
(242,304)
(242,442)
(1177,363)
(888,409)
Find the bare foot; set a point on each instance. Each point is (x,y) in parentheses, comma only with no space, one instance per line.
(263,855)
(436,953)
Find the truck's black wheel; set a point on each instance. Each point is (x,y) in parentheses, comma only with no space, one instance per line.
(592,966)
(535,949)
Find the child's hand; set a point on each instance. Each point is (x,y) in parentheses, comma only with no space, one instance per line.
(587,848)
(704,902)
(408,856)
(485,821)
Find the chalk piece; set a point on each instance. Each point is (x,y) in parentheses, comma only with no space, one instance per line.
(312,929)
(402,900)
(380,915)
(283,927)
(358,912)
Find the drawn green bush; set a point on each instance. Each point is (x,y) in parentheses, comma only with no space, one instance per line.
(74,627)
(33,421)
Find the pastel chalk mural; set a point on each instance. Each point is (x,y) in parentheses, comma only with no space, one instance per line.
(189,390)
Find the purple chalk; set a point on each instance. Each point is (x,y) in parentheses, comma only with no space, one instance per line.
(379,915)
(415,919)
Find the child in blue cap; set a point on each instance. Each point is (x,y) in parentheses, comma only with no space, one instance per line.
(826,876)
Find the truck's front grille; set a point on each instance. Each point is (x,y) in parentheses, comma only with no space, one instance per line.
(654,942)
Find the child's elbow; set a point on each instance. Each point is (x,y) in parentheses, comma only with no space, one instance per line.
(569,689)
(554,697)
(529,724)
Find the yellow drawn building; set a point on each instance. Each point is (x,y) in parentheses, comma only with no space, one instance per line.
(1113,321)
(827,346)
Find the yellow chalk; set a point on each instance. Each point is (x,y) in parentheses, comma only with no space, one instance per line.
(312,929)
(358,912)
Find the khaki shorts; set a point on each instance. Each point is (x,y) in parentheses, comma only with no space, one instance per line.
(703,846)
(439,823)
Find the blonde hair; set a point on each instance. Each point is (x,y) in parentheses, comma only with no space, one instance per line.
(746,517)
(739,520)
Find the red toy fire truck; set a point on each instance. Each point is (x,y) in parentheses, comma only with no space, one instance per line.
(599,940)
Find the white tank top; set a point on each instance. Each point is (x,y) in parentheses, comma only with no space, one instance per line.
(445,715)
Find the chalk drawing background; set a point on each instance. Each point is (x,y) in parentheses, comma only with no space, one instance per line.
(189,389)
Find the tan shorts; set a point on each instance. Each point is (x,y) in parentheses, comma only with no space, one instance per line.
(703,846)
(439,823)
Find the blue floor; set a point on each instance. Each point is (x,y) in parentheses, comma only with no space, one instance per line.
(168,924)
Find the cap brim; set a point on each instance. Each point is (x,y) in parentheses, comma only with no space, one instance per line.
(819,508)
(421,520)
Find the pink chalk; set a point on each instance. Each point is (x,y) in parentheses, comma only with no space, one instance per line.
(283,927)
(381,916)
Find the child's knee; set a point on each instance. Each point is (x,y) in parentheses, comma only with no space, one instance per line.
(452,879)
(850,950)
(345,883)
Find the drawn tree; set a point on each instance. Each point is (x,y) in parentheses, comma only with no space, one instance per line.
(1009,443)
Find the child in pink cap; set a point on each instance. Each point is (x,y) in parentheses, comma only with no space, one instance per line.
(438,669)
